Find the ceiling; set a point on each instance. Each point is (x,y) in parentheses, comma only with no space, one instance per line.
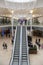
(20,1)
(21,9)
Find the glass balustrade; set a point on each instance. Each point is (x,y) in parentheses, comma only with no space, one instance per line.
(36,21)
(5,21)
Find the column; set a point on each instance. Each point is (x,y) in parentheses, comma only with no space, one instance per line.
(27,22)
(12,26)
(31,26)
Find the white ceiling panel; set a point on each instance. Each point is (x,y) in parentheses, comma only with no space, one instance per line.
(21,9)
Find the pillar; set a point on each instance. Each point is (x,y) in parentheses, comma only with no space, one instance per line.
(12,26)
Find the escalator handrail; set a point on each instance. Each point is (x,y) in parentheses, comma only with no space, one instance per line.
(11,60)
(20,46)
(28,58)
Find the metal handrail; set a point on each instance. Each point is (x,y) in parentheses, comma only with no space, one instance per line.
(20,46)
(11,60)
(27,49)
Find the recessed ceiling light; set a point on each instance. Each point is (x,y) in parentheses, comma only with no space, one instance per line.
(33,15)
(31,11)
(12,11)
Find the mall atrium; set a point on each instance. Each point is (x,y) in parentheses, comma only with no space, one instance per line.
(21,32)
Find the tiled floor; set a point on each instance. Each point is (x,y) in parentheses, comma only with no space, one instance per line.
(5,55)
(37,59)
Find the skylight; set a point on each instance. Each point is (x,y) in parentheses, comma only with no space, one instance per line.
(20,0)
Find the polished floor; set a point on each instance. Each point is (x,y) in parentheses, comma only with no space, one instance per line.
(37,59)
(5,55)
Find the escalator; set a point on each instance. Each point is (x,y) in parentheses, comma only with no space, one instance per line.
(20,55)
(24,47)
(17,48)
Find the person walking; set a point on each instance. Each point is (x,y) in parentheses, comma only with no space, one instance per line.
(38,43)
